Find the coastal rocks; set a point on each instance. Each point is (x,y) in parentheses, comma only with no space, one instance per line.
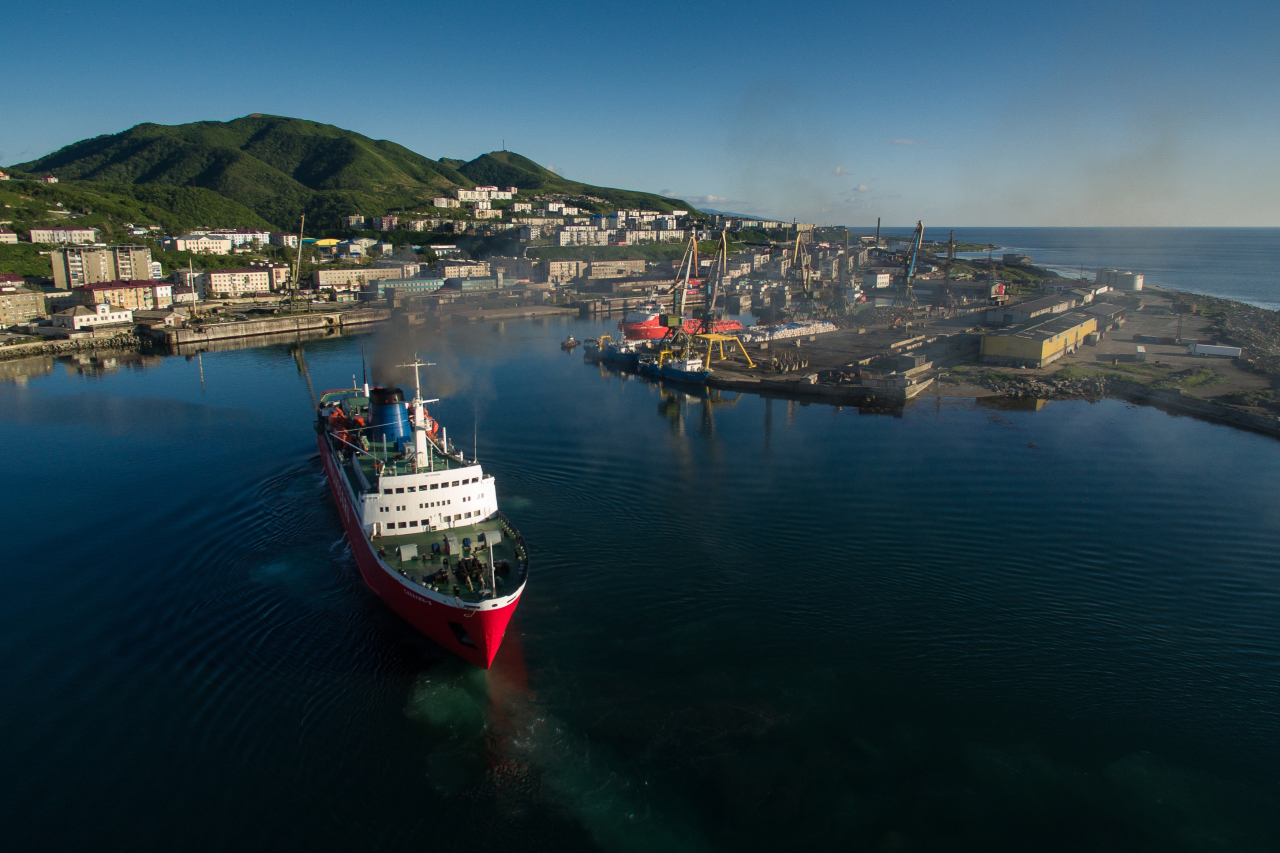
(124,340)
(1093,388)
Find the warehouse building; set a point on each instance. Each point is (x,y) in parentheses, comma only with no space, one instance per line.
(1039,342)
(1025,312)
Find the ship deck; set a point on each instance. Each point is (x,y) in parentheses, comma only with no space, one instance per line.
(445,572)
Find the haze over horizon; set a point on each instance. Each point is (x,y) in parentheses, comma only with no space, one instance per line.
(988,114)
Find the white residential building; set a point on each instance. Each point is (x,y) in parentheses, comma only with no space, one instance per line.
(64,234)
(235,283)
(288,240)
(482,193)
(203,244)
(579,236)
(445,202)
(80,317)
(522,207)
(462,269)
(244,236)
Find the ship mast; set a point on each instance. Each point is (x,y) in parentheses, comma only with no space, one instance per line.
(421,446)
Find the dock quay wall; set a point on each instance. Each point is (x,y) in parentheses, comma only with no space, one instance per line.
(274,326)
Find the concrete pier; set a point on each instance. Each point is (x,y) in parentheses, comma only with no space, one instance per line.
(294,323)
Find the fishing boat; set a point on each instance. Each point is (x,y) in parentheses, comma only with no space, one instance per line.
(569,343)
(422,520)
(690,368)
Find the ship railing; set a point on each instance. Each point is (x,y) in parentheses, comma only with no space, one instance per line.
(522,550)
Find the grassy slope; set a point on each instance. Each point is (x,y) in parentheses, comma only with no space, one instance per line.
(279,168)
(506,168)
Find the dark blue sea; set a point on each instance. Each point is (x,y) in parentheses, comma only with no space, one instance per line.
(1230,263)
(750,624)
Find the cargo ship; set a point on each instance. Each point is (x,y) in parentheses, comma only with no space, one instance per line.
(644,323)
(422,520)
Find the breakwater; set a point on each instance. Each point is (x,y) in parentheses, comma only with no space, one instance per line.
(121,341)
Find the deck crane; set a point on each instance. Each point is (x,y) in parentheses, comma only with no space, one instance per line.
(909,266)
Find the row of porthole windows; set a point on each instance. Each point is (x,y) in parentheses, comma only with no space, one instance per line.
(433,487)
(426,522)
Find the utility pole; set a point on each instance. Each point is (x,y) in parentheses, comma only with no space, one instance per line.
(297,263)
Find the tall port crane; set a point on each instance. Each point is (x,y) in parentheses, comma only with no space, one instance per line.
(713,290)
(909,266)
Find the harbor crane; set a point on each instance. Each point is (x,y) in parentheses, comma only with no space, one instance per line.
(909,266)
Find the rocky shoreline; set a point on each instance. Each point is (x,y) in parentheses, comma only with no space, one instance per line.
(122,341)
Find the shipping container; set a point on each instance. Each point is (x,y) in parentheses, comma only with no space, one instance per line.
(1208,349)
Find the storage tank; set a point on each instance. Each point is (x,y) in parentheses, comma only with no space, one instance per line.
(389,415)
(1130,281)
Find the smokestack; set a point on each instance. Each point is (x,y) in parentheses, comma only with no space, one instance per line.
(877,230)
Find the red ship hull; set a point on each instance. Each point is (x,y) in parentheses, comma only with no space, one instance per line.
(652,329)
(430,617)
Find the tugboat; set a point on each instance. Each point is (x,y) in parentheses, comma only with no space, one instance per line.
(422,520)
(569,343)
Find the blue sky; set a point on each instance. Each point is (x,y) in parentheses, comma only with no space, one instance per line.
(954,113)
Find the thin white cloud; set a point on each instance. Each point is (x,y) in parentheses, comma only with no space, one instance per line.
(841,170)
(907,142)
(862,188)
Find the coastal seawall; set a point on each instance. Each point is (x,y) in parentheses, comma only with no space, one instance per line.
(274,326)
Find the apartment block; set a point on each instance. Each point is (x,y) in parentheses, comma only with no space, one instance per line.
(560,270)
(462,269)
(203,244)
(63,234)
(616,269)
(346,278)
(19,305)
(236,283)
(74,266)
(133,294)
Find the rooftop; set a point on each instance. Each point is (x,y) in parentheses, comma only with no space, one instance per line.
(1041,329)
(121,284)
(1044,303)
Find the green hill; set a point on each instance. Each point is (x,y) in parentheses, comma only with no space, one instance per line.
(279,168)
(508,169)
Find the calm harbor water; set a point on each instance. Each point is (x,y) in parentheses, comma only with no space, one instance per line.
(750,624)
(1231,263)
